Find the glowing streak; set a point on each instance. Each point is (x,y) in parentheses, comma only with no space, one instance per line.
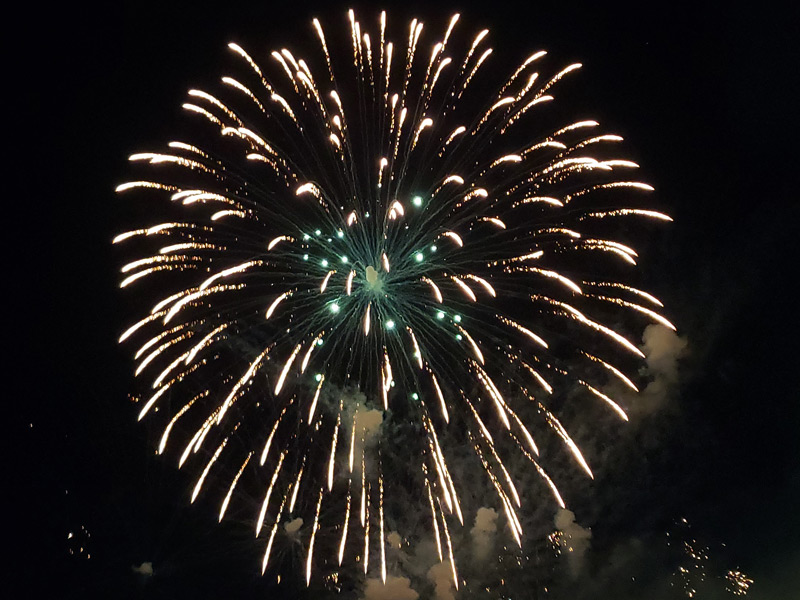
(351,454)
(344,530)
(197,439)
(450,553)
(153,341)
(139,184)
(513,158)
(616,407)
(441,398)
(558,277)
(296,487)
(333,450)
(465,288)
(573,447)
(476,193)
(486,285)
(136,326)
(251,370)
(524,330)
(275,303)
(436,292)
(325,282)
(349,284)
(267,445)
(417,352)
(274,242)
(197,295)
(308,188)
(311,542)
(187,246)
(494,221)
(511,516)
(307,357)
(227,499)
(476,416)
(314,401)
(200,481)
(616,372)
(149,404)
(475,348)
(628,211)
(155,353)
(435,521)
(494,393)
(383,537)
(228,213)
(229,271)
(650,313)
(286,367)
(580,317)
(395,208)
(159,258)
(201,111)
(165,436)
(526,433)
(427,122)
(455,237)
(366,319)
(365,523)
(129,280)
(645,295)
(272,536)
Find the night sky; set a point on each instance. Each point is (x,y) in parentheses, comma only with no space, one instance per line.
(706,101)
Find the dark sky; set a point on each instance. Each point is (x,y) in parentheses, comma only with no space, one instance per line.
(706,100)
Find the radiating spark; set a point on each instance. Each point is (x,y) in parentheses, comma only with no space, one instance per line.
(265,504)
(314,529)
(227,499)
(294,203)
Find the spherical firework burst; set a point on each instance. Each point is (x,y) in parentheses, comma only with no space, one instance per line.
(369,252)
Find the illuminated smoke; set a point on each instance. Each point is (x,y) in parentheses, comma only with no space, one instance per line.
(574,540)
(483,533)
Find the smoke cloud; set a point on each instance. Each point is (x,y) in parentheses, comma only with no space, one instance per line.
(396,588)
(441,576)
(483,533)
(394,540)
(292,527)
(369,421)
(146,569)
(575,540)
(663,348)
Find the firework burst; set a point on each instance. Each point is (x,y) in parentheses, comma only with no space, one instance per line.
(367,253)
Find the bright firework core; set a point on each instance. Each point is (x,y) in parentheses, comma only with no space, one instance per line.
(373,278)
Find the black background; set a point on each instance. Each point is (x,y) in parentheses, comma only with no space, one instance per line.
(706,100)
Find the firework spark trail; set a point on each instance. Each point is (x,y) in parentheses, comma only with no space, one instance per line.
(368,238)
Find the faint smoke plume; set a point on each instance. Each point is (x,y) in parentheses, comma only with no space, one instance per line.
(292,527)
(575,539)
(396,588)
(146,569)
(483,532)
(442,577)
(369,421)
(663,348)
(394,540)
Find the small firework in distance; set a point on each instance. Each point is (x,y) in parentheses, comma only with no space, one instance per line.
(371,239)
